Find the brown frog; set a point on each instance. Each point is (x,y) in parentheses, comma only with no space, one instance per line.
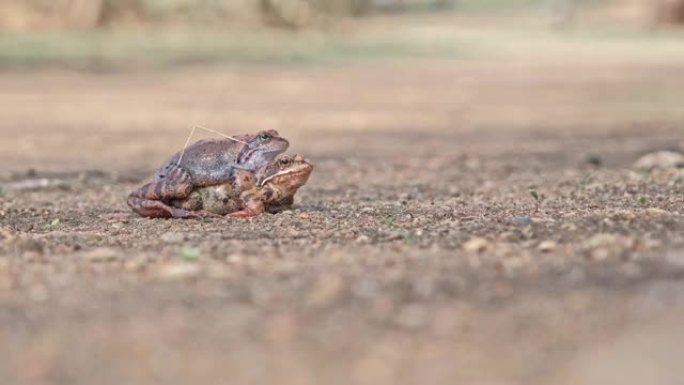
(270,189)
(209,162)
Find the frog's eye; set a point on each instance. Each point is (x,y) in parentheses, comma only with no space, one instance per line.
(264,136)
(284,162)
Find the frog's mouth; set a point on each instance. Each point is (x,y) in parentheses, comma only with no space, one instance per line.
(296,175)
(266,155)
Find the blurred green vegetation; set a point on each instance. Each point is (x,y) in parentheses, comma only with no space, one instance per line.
(159,34)
(158,49)
(107,50)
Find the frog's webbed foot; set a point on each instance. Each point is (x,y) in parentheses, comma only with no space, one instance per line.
(205,214)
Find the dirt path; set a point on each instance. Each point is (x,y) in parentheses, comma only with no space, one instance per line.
(416,254)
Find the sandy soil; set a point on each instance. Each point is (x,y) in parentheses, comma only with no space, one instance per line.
(475,223)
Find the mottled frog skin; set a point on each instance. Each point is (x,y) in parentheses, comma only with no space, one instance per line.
(270,189)
(222,199)
(209,162)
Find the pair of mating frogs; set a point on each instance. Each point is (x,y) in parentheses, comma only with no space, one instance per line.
(240,176)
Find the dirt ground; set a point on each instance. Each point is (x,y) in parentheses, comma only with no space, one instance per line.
(466,223)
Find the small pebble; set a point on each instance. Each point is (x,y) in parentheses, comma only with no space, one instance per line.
(547,246)
(600,254)
(100,254)
(655,212)
(521,221)
(235,259)
(178,270)
(601,240)
(660,159)
(362,239)
(476,245)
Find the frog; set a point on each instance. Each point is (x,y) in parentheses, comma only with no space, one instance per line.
(270,189)
(207,162)
(276,186)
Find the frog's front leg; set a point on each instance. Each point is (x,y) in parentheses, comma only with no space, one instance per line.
(150,199)
(255,200)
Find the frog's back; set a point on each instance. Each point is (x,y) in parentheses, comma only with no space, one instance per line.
(208,161)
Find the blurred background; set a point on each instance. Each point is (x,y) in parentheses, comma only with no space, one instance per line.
(28,15)
(477,213)
(154,68)
(88,32)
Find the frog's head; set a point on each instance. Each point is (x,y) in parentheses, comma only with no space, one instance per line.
(261,148)
(287,172)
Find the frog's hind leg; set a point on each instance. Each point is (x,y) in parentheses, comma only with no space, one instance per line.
(157,209)
(149,200)
(147,203)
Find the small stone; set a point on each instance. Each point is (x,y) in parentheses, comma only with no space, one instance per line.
(304,216)
(594,160)
(294,233)
(512,264)
(660,159)
(235,259)
(650,243)
(134,264)
(362,239)
(172,237)
(179,270)
(508,236)
(547,246)
(476,245)
(624,214)
(521,221)
(601,240)
(600,254)
(655,212)
(100,254)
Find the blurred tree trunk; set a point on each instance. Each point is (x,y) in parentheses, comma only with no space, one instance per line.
(562,12)
(670,11)
(291,14)
(300,13)
(114,11)
(82,13)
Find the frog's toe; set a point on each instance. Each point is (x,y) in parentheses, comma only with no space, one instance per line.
(207,214)
(184,214)
(242,214)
